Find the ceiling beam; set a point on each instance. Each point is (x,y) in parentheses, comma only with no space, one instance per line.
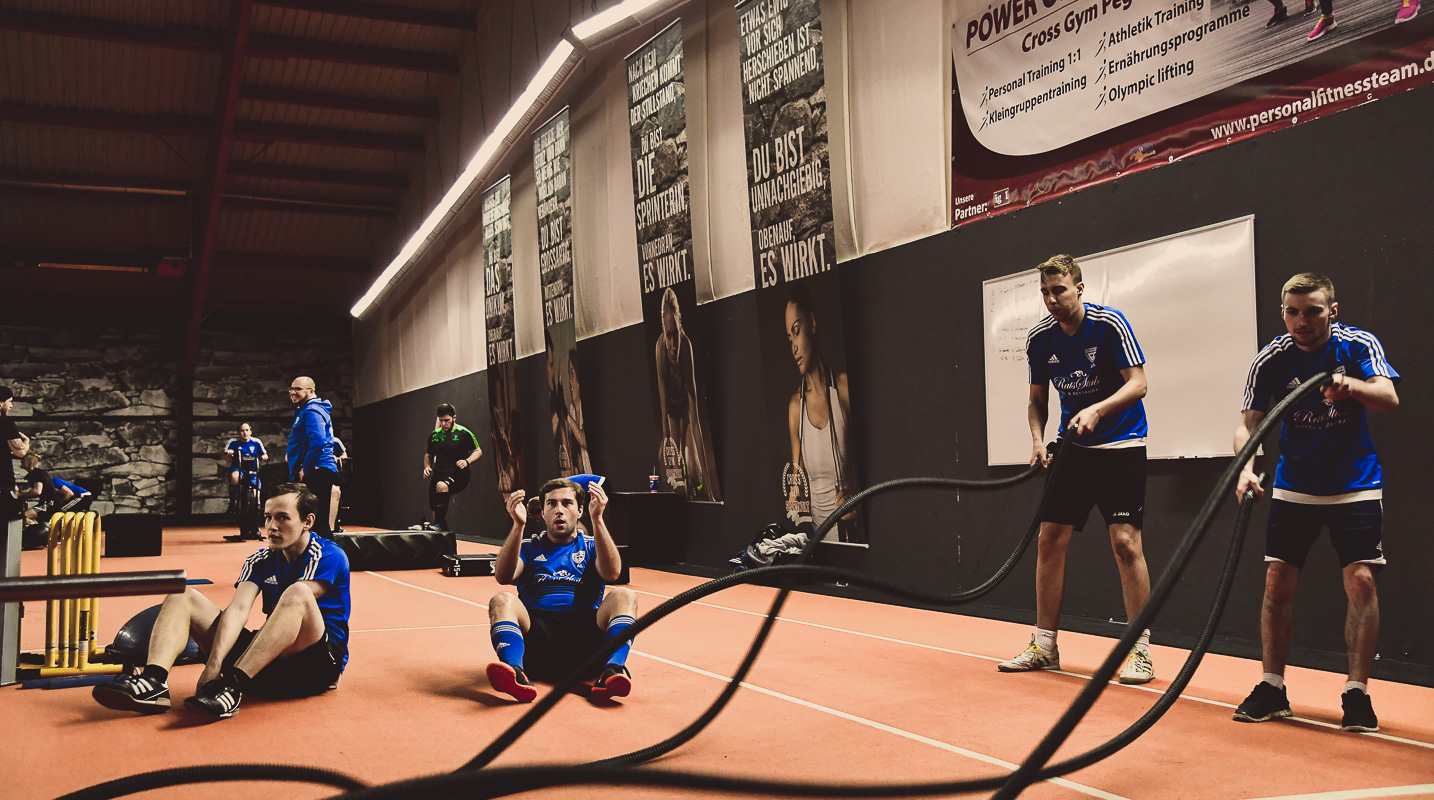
(341,177)
(224,260)
(65,187)
(382,13)
(265,132)
(209,40)
(211,198)
(196,127)
(283,48)
(365,105)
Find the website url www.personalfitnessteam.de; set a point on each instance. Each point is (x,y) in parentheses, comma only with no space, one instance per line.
(1322,97)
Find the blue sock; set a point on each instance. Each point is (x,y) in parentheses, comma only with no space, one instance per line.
(616,629)
(508,643)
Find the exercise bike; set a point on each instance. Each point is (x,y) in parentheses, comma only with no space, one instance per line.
(251,509)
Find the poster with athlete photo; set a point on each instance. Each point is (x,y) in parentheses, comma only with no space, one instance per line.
(1055,96)
(503,408)
(799,313)
(658,117)
(552,170)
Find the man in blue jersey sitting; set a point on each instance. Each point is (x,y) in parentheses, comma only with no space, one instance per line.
(1090,354)
(1328,476)
(299,651)
(243,446)
(562,613)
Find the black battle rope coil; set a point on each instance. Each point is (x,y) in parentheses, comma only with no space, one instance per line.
(529,719)
(498,782)
(215,773)
(502,781)
(226,772)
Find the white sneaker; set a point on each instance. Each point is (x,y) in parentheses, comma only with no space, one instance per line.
(1138,668)
(1032,658)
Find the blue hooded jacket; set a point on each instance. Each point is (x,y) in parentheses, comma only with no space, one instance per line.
(309,438)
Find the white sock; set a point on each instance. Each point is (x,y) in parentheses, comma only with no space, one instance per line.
(1363,687)
(1143,643)
(1277,681)
(1046,639)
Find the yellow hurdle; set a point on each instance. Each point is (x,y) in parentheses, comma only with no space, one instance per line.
(73,549)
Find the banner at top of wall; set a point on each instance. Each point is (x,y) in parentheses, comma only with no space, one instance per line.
(1053,96)
(504,411)
(808,409)
(658,120)
(552,170)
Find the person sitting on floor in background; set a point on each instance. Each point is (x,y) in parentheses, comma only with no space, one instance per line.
(299,651)
(563,611)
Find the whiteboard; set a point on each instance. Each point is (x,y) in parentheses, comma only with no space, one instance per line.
(1189,298)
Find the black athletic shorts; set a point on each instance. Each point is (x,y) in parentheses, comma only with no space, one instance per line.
(1112,480)
(1355,530)
(559,641)
(313,670)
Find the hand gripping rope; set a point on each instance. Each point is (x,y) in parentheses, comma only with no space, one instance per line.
(471,781)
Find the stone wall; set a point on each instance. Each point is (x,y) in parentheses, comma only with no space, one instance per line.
(245,378)
(99,405)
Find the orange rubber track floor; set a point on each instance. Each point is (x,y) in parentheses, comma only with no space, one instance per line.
(846,691)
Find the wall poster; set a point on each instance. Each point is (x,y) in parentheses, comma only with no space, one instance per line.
(798,293)
(504,410)
(658,117)
(552,170)
(1053,95)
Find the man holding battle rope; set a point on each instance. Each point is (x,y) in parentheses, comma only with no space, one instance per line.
(1090,354)
(1328,476)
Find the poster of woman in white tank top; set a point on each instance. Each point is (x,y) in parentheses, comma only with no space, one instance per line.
(821,474)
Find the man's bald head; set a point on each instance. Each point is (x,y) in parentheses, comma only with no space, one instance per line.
(301,389)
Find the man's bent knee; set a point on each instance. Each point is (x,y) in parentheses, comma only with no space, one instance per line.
(1125,542)
(503,605)
(441,487)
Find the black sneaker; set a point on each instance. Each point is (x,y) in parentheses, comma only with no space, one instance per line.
(1281,14)
(216,697)
(133,693)
(510,680)
(1358,712)
(1264,704)
(615,681)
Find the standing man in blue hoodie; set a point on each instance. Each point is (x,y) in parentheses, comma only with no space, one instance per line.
(310,454)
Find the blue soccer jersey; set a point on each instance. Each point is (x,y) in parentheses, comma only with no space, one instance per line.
(322,561)
(1326,454)
(252,449)
(1085,369)
(552,572)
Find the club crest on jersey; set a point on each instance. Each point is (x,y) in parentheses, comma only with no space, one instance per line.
(1090,354)
(579,556)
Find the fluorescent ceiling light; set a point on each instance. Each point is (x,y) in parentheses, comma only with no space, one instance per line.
(480,161)
(600,22)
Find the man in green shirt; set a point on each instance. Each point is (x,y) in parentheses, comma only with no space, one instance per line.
(452,449)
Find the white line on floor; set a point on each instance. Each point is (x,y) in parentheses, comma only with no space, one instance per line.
(430,591)
(915,737)
(1356,794)
(419,628)
(1151,689)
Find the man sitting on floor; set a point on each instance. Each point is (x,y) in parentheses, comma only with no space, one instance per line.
(299,651)
(562,613)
